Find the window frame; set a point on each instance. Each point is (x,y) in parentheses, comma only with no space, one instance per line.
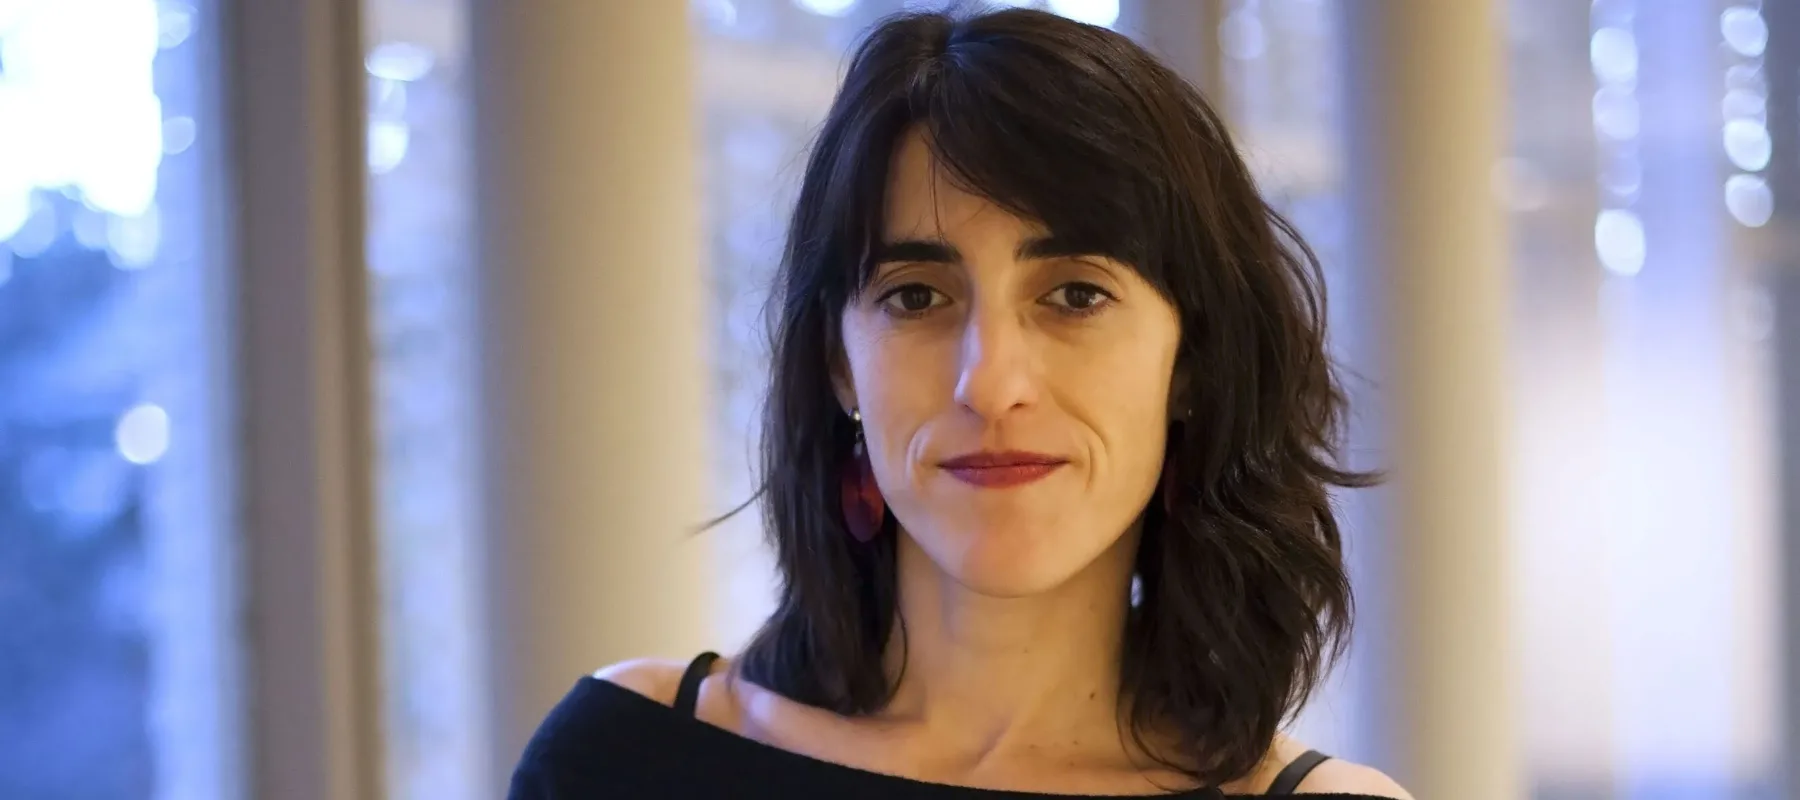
(293,218)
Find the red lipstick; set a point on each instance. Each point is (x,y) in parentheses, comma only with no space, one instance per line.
(1001,470)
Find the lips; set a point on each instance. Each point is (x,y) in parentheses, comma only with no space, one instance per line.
(1002,470)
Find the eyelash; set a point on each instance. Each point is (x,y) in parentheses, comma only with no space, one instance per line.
(885,304)
(1103,299)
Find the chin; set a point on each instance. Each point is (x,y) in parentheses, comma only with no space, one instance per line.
(1008,560)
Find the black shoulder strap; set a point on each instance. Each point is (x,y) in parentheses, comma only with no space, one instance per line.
(687,698)
(1296,771)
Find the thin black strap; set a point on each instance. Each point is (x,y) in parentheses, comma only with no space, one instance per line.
(687,698)
(1296,771)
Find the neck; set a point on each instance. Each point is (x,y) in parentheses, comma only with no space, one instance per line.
(998,672)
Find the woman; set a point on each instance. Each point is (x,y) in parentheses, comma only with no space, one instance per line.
(1047,458)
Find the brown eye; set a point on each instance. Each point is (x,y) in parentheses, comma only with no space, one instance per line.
(912,299)
(1078,298)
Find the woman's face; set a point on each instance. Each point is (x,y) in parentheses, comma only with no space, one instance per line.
(1014,394)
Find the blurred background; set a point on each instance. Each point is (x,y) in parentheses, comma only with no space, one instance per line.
(316,317)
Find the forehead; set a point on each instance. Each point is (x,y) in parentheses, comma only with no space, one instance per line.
(923,200)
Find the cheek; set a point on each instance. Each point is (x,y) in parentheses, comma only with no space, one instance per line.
(1127,411)
(1120,392)
(898,383)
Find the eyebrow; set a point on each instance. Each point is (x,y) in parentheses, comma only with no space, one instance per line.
(937,251)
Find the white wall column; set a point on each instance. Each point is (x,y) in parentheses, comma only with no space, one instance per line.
(1425,116)
(591,303)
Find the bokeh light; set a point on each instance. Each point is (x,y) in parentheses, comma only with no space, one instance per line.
(142,435)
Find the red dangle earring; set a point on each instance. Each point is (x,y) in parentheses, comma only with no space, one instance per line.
(864,508)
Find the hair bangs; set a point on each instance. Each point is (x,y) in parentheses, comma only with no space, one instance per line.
(997,133)
(995,109)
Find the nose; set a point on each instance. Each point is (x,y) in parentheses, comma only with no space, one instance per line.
(996,375)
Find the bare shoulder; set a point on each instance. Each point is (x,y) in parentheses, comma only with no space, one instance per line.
(655,678)
(1346,777)
(1333,776)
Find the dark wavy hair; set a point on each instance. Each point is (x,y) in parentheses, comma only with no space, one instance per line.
(1244,597)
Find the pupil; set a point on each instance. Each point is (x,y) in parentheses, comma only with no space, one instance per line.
(916,299)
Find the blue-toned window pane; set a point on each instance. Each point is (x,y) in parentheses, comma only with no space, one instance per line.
(117,669)
(419,248)
(1645,490)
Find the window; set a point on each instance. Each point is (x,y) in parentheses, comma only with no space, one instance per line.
(118,672)
(1645,426)
(419,255)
